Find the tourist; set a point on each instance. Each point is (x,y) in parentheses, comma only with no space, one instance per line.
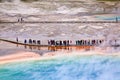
(77,42)
(80,42)
(30,41)
(18,20)
(52,42)
(97,42)
(56,42)
(100,41)
(67,42)
(93,42)
(64,42)
(60,42)
(17,39)
(84,42)
(39,42)
(88,42)
(25,41)
(34,41)
(21,19)
(49,42)
(70,41)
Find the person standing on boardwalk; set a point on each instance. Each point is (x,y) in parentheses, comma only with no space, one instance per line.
(60,42)
(17,39)
(30,41)
(25,41)
(77,42)
(49,42)
(39,42)
(56,43)
(21,19)
(34,41)
(67,42)
(18,20)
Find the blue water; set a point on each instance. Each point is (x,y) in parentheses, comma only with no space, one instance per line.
(66,68)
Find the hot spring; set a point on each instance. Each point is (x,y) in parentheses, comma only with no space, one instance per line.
(82,67)
(92,67)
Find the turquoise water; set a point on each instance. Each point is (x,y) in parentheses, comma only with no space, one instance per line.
(109,18)
(66,68)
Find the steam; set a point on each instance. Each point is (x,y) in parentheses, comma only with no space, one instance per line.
(66,10)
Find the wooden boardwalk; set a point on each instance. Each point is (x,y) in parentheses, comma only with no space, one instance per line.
(48,22)
(20,43)
(40,45)
(50,47)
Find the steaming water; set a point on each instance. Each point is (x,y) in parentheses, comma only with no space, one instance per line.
(66,68)
(46,11)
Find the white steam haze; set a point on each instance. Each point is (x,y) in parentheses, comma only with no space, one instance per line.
(85,10)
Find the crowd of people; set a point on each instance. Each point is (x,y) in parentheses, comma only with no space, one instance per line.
(30,41)
(89,42)
(59,42)
(50,42)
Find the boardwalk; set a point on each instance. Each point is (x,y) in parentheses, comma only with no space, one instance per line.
(27,44)
(48,22)
(49,47)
